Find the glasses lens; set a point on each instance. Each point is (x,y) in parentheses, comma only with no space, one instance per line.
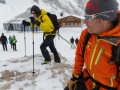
(33,13)
(88,17)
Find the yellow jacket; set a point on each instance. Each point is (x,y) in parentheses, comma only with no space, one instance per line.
(46,25)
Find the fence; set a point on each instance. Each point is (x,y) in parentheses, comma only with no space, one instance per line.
(18,27)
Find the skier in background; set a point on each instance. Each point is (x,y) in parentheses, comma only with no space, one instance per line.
(4,41)
(10,41)
(72,41)
(14,41)
(76,41)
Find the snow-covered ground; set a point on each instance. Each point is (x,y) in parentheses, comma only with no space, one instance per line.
(16,70)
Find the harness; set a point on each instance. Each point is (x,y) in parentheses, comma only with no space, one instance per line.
(114,58)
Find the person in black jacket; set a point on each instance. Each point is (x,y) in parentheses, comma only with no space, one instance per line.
(72,41)
(4,41)
(76,41)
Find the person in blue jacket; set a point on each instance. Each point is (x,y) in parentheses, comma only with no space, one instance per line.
(10,41)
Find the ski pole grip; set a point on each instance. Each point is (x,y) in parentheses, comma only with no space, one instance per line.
(32,20)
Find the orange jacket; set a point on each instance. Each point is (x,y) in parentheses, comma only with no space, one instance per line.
(96,59)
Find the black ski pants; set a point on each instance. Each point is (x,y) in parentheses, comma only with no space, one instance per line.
(14,46)
(4,46)
(48,42)
(71,45)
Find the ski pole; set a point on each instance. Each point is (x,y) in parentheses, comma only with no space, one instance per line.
(67,41)
(33,46)
(25,40)
(33,21)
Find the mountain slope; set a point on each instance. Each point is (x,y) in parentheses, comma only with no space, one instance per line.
(13,8)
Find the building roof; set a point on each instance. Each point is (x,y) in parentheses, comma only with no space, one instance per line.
(25,16)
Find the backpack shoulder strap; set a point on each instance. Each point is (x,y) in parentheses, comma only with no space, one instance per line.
(117,60)
(114,54)
(85,43)
(116,57)
(115,41)
(41,19)
(42,16)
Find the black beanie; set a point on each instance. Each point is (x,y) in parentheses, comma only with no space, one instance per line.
(36,9)
(104,9)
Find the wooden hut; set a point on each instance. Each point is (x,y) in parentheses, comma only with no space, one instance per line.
(70,21)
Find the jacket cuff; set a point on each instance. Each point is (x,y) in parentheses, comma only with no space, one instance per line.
(75,77)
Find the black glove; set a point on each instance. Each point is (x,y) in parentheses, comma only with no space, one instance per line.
(32,19)
(25,23)
(37,23)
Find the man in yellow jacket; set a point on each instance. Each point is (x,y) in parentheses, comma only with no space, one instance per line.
(44,23)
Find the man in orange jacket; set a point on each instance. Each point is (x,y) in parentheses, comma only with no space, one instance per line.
(100,73)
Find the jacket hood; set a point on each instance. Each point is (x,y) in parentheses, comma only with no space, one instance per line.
(43,12)
(113,32)
(36,9)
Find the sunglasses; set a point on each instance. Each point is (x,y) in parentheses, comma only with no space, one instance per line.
(32,13)
(90,17)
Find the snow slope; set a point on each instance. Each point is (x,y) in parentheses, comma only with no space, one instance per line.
(16,70)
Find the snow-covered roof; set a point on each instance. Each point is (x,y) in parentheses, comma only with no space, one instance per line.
(66,15)
(81,17)
(25,16)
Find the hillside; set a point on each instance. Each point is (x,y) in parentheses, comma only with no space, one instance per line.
(13,8)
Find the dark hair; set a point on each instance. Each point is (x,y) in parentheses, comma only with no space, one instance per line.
(36,9)
(116,21)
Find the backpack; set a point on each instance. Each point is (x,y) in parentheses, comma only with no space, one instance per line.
(115,57)
(54,21)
